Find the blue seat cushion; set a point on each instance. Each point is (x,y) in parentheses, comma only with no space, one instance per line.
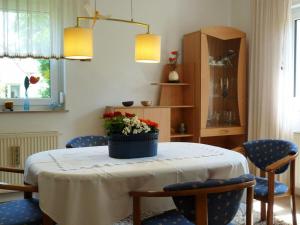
(261,187)
(20,212)
(222,207)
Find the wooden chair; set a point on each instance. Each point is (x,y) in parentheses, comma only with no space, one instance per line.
(87,141)
(214,202)
(23,211)
(272,157)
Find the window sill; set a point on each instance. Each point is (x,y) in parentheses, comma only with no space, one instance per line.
(35,111)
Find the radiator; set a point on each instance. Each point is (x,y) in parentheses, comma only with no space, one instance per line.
(297,141)
(16,147)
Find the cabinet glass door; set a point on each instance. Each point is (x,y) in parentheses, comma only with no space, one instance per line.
(223,58)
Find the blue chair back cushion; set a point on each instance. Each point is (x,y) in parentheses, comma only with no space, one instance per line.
(265,152)
(87,141)
(20,212)
(222,207)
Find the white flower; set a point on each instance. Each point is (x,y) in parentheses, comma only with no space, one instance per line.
(134,126)
(126,120)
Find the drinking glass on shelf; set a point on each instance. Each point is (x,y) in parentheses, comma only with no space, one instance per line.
(216,118)
(228,117)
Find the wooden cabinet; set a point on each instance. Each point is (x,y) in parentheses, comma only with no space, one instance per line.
(161,115)
(216,58)
(179,97)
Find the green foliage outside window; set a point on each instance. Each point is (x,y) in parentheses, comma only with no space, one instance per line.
(44,69)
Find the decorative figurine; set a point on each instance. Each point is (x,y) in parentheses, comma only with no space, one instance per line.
(182,128)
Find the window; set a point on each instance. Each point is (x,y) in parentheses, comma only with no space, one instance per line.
(14,71)
(31,45)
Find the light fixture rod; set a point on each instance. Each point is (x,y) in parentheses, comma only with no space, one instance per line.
(100,17)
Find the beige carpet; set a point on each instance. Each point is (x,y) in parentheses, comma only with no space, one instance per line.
(238,220)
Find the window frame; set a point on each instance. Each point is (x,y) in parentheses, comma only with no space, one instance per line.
(295,18)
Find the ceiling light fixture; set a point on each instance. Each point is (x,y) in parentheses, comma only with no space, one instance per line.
(78,41)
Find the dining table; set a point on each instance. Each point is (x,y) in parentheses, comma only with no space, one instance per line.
(84,186)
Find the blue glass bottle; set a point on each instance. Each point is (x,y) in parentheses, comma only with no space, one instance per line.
(26,105)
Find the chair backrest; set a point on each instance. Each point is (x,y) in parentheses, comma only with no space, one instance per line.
(265,152)
(87,141)
(222,205)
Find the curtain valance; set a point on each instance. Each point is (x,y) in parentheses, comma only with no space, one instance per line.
(34,28)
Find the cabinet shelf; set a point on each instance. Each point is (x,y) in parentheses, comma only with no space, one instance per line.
(216,65)
(180,106)
(171,84)
(181,135)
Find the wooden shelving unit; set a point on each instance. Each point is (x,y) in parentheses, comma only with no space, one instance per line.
(179,97)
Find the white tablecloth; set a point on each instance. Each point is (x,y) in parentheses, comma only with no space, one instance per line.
(85,187)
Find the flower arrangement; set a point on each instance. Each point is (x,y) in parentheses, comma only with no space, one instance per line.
(127,124)
(173,60)
(31,80)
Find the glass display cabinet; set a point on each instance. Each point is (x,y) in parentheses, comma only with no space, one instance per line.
(217,58)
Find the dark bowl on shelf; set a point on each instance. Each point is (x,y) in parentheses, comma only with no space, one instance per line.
(128,103)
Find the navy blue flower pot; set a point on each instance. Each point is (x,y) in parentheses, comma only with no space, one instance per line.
(132,146)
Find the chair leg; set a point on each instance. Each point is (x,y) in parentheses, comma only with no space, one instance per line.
(293,208)
(270,213)
(263,211)
(136,210)
(47,220)
(249,210)
(292,188)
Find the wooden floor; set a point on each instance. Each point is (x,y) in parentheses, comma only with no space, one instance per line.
(282,209)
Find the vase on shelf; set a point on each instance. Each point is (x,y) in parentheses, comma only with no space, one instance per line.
(26,104)
(173,74)
(132,146)
(173,77)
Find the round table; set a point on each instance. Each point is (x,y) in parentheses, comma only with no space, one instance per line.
(85,186)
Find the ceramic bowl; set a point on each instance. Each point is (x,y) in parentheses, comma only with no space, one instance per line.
(146,103)
(128,103)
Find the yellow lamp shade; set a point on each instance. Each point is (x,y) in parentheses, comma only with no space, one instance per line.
(147,48)
(78,43)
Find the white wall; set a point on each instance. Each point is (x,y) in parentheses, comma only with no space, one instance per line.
(240,15)
(113,76)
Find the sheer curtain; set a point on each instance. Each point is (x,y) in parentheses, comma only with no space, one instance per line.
(271,78)
(271,103)
(34,28)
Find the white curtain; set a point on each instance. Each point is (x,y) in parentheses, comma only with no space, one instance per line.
(271,78)
(271,101)
(34,28)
